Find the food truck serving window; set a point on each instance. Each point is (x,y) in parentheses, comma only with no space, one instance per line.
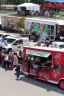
(38,53)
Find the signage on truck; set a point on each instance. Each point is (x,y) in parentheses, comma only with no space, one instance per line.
(37,53)
(57,58)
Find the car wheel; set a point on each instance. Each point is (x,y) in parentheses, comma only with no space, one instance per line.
(9,50)
(61,84)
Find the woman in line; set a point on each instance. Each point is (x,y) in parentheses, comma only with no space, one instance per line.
(15,59)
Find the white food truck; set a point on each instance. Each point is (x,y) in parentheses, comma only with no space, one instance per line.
(46,27)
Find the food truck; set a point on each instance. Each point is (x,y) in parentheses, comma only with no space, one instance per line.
(50,67)
(45,27)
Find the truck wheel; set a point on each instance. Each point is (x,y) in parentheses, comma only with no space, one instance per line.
(9,50)
(61,84)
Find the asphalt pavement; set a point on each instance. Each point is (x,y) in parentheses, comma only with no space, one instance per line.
(26,86)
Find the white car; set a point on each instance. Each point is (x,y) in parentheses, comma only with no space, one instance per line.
(14,43)
(3,36)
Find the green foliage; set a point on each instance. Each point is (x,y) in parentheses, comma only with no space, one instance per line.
(37,1)
(60,13)
(20,24)
(14,1)
(25,30)
(23,1)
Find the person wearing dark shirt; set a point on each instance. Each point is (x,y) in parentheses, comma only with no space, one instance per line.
(47,41)
(37,64)
(28,60)
(46,65)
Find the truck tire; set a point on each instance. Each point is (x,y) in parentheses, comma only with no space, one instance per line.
(61,84)
(9,50)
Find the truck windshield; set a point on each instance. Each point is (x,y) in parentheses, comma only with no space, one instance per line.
(9,40)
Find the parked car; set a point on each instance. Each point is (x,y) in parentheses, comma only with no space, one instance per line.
(14,43)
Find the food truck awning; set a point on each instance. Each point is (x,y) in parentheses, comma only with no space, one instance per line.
(38,53)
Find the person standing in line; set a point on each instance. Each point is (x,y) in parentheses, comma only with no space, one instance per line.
(17,71)
(11,59)
(47,41)
(20,57)
(0,55)
(3,58)
(6,63)
(15,59)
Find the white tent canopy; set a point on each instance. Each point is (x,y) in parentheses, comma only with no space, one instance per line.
(29,6)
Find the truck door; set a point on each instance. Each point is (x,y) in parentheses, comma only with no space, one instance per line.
(15,45)
(20,46)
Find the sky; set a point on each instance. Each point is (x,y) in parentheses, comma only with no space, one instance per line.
(55,0)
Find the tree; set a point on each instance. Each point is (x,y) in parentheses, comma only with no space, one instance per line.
(16,2)
(37,1)
(20,24)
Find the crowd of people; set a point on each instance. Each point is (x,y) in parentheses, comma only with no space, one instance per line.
(47,42)
(37,62)
(48,12)
(11,60)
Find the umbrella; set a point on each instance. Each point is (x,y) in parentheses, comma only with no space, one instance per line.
(61,5)
(44,5)
(49,4)
(56,5)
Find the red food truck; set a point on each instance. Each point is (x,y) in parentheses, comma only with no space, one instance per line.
(46,64)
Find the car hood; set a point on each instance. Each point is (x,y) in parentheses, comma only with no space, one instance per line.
(6,46)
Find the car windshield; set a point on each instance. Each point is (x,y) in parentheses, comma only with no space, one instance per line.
(9,40)
(5,36)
